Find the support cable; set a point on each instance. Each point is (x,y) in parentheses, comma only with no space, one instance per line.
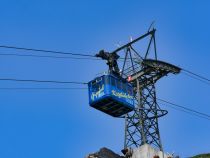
(42,88)
(196,76)
(47,56)
(41,81)
(173,105)
(188,110)
(46,51)
(88,57)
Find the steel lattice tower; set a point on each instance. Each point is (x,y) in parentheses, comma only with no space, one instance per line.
(141,125)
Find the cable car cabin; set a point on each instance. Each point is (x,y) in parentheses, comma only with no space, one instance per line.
(111,95)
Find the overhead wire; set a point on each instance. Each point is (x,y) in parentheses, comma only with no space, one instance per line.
(46,51)
(196,76)
(175,106)
(186,109)
(41,81)
(42,88)
(190,113)
(47,56)
(88,57)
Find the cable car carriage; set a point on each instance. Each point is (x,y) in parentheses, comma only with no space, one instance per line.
(111,95)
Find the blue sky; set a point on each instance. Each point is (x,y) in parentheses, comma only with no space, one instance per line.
(60,123)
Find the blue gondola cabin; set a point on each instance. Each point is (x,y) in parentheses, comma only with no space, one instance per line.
(111,95)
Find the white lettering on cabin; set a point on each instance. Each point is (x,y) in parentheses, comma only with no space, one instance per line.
(97,94)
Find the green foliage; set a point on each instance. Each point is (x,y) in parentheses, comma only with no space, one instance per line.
(202,156)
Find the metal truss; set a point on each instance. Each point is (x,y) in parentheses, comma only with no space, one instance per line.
(141,125)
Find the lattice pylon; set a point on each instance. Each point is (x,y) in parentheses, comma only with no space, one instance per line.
(141,125)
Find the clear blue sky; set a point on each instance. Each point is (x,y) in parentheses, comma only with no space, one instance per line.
(59,123)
